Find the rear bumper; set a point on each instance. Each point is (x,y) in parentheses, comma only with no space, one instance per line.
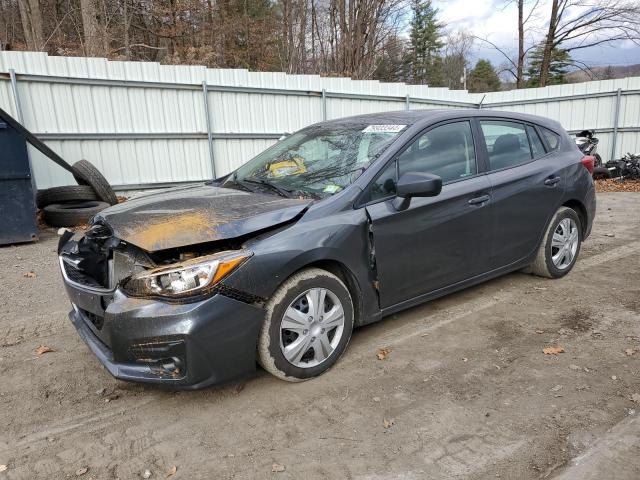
(590,205)
(181,346)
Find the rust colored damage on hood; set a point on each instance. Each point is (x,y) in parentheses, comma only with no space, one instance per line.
(189,216)
(171,230)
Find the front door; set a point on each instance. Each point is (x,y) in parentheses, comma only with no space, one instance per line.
(437,241)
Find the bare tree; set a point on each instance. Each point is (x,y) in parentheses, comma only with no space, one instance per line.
(515,63)
(32,25)
(456,53)
(577,24)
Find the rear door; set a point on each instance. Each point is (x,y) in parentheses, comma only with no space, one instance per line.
(436,241)
(526,183)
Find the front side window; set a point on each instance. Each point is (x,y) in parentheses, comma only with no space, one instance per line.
(507,143)
(385,184)
(317,161)
(446,151)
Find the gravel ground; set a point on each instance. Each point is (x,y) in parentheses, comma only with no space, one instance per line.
(465,391)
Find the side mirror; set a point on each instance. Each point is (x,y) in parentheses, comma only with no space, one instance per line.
(418,184)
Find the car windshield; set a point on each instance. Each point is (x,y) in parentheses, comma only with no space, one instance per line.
(317,161)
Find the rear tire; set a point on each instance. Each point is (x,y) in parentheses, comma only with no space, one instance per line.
(290,354)
(560,245)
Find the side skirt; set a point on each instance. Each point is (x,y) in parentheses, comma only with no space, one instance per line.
(455,287)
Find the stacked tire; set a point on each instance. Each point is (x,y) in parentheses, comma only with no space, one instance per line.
(73,205)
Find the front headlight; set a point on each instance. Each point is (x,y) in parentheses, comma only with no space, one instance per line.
(183,279)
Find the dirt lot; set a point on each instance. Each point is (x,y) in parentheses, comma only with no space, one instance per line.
(465,392)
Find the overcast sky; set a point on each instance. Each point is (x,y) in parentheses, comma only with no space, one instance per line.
(492,20)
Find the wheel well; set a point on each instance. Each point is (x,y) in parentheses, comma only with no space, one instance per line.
(578,207)
(343,273)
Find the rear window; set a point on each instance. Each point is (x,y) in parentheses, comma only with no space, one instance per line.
(552,138)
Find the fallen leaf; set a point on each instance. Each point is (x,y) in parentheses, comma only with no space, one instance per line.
(635,397)
(388,423)
(81,471)
(172,471)
(629,351)
(552,350)
(30,274)
(3,468)
(237,388)
(42,349)
(276,467)
(383,353)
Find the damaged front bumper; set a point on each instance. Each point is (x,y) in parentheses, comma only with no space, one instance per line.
(180,345)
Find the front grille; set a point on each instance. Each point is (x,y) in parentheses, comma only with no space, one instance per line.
(78,276)
(96,320)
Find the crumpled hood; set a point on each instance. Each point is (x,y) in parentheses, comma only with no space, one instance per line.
(185,216)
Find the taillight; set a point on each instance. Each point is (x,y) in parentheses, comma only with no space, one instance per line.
(588,162)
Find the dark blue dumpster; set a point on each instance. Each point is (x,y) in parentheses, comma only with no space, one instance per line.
(17,203)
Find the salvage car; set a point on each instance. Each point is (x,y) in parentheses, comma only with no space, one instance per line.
(333,227)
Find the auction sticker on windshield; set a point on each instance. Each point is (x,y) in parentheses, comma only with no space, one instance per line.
(384,128)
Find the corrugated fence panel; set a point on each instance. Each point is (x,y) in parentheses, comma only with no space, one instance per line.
(144,123)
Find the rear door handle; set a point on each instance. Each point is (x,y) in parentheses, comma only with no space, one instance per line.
(551,182)
(479,200)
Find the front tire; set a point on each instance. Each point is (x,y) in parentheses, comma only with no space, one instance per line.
(560,246)
(307,327)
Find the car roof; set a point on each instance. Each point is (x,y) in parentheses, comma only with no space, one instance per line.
(427,117)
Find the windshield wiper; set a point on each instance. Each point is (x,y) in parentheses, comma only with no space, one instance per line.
(283,192)
(234,182)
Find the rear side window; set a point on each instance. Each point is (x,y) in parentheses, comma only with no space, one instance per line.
(536,144)
(507,143)
(552,138)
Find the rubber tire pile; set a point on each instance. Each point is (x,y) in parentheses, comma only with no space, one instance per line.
(73,205)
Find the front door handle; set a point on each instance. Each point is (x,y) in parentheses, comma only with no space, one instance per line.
(552,182)
(479,200)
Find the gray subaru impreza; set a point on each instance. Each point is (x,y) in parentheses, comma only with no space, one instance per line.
(333,227)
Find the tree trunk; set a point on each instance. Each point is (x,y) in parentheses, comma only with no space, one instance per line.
(91,28)
(31,17)
(549,44)
(520,67)
(127,24)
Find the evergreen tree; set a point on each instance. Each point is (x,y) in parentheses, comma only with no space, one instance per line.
(483,78)
(424,64)
(391,65)
(558,67)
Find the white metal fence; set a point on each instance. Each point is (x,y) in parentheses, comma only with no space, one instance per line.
(147,124)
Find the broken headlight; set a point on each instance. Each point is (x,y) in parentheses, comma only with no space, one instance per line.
(186,278)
